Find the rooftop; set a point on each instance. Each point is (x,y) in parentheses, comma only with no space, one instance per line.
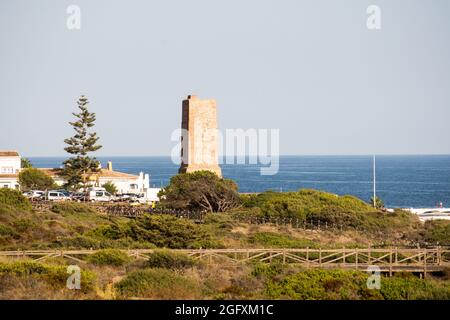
(104,173)
(7,153)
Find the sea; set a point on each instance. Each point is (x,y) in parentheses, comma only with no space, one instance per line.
(403,181)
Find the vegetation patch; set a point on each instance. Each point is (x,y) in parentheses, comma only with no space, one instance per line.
(13,199)
(317,207)
(158,284)
(277,240)
(200,191)
(109,257)
(319,284)
(437,231)
(170,260)
(170,231)
(53,275)
(72,208)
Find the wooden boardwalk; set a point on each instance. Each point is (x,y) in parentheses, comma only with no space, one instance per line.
(388,260)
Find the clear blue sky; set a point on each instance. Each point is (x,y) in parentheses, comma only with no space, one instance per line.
(309,68)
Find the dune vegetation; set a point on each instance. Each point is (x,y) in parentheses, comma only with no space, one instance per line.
(111,274)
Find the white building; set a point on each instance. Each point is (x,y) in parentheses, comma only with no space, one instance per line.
(10,164)
(124,182)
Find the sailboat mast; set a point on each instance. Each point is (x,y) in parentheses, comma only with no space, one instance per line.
(374,183)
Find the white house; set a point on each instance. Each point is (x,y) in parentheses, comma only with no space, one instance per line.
(9,169)
(10,166)
(124,182)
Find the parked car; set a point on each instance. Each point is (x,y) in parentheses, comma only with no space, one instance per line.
(78,196)
(141,198)
(34,194)
(57,195)
(125,197)
(99,194)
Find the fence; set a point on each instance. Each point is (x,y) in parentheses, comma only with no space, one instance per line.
(388,260)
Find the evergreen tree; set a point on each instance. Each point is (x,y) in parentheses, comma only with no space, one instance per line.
(110,187)
(78,168)
(35,179)
(25,163)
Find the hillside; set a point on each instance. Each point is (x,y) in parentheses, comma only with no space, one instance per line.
(109,274)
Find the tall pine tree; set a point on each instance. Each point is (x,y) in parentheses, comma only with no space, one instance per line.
(80,167)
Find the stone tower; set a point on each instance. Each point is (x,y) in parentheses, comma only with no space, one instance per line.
(199,136)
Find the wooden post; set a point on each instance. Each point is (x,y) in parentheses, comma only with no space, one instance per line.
(425,264)
(343,255)
(320,256)
(307,256)
(284,256)
(438,256)
(356,258)
(390,262)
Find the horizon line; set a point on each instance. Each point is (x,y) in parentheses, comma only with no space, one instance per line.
(240,156)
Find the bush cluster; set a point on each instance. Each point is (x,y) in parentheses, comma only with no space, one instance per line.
(157,284)
(53,275)
(315,207)
(109,257)
(169,260)
(13,199)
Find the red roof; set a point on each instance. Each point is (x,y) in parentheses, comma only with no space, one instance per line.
(4,153)
(104,173)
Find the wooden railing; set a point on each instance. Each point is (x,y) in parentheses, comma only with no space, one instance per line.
(387,260)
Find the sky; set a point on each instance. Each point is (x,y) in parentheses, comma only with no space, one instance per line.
(311,69)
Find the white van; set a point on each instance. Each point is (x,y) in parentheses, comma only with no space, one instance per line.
(34,194)
(99,194)
(56,195)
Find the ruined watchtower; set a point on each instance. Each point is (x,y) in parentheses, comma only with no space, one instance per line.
(199,136)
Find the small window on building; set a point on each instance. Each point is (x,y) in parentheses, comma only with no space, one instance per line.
(133,186)
(7,170)
(5,186)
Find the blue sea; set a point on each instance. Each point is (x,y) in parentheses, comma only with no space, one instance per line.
(402,181)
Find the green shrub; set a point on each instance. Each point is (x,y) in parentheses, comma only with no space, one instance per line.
(320,284)
(411,288)
(157,284)
(169,260)
(276,240)
(169,231)
(78,242)
(437,231)
(320,207)
(109,257)
(264,270)
(14,199)
(110,231)
(72,208)
(56,276)
(199,191)
(6,231)
(35,179)
(24,224)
